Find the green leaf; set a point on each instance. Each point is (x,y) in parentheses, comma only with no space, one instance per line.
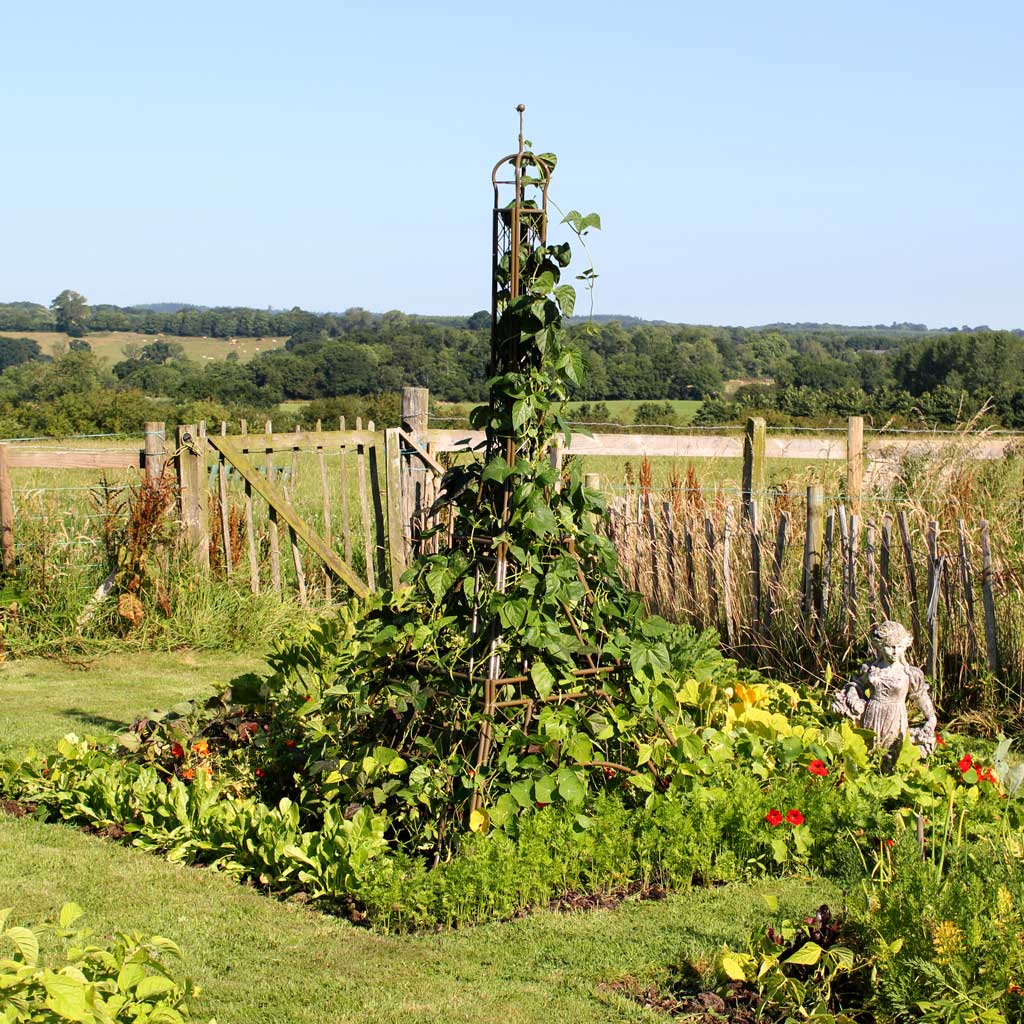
(570,786)
(66,997)
(733,966)
(544,789)
(154,985)
(497,470)
(565,295)
(69,914)
(809,953)
(542,677)
(131,973)
(26,943)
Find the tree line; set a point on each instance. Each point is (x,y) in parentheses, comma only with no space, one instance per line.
(798,373)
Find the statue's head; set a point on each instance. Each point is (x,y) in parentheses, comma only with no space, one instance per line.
(891,639)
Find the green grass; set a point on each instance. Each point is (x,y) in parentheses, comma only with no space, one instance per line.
(261,961)
(42,699)
(108,345)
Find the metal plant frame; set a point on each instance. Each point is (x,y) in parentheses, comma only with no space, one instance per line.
(519,226)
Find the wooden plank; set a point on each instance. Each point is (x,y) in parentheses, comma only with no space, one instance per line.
(7,554)
(871,567)
(273,530)
(293,539)
(884,567)
(652,542)
(855,462)
(250,528)
(154,450)
(932,610)
(753,467)
(191,463)
(309,440)
(826,573)
(727,529)
(20,458)
(967,586)
(908,562)
(346,521)
(397,504)
(325,509)
(671,568)
(851,572)
(276,499)
(781,531)
(844,567)
(989,600)
(813,543)
(364,510)
(754,523)
(222,495)
(691,579)
(377,499)
(712,570)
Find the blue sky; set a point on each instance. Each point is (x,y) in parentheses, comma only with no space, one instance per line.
(857,163)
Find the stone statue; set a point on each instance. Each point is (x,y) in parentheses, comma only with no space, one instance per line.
(877,699)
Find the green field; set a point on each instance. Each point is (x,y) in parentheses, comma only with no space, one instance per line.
(109,345)
(263,961)
(621,410)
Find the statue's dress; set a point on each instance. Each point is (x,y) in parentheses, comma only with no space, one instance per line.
(886,711)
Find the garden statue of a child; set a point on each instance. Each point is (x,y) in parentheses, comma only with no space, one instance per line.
(877,699)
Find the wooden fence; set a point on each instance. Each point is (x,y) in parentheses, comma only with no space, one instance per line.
(308,509)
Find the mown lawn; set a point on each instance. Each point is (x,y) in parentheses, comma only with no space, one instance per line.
(262,961)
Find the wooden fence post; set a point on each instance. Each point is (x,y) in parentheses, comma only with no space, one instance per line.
(988,599)
(154,450)
(855,462)
(415,473)
(191,467)
(6,514)
(753,468)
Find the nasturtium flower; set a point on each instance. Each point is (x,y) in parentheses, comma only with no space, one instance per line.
(202,748)
(965,763)
(817,767)
(938,739)
(773,817)
(177,750)
(794,817)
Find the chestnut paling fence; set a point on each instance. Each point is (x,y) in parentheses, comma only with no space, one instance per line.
(790,571)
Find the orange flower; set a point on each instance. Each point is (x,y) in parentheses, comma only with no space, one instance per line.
(188,773)
(202,748)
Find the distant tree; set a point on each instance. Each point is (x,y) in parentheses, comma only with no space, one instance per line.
(71,312)
(79,345)
(14,351)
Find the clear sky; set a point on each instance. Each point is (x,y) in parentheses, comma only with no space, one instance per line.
(752,162)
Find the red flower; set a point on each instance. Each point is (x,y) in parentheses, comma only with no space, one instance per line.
(177,750)
(289,743)
(259,773)
(888,842)
(938,739)
(965,763)
(773,817)
(541,806)
(979,773)
(817,767)
(794,817)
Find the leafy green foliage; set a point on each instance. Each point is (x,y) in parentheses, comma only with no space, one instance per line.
(125,978)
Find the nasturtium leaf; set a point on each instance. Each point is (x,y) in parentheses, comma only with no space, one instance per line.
(544,789)
(570,787)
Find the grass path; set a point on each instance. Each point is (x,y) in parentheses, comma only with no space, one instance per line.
(262,961)
(41,699)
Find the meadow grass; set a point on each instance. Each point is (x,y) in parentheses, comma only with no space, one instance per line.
(108,345)
(262,961)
